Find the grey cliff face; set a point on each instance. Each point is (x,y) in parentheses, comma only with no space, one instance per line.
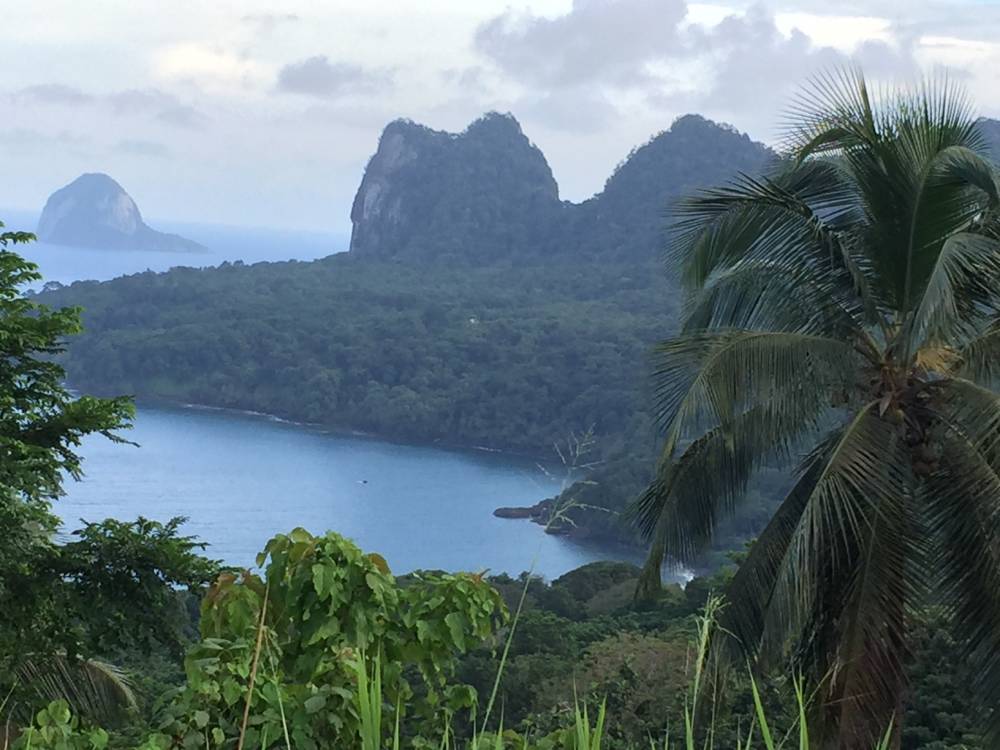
(446,194)
(375,206)
(95,211)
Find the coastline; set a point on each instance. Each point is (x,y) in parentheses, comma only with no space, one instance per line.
(344,431)
(512,513)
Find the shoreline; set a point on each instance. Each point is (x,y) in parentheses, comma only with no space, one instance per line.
(625,552)
(452,447)
(580,540)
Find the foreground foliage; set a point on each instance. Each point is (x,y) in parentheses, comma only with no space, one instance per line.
(851,303)
(113,585)
(279,655)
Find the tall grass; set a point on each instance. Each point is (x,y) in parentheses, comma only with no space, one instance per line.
(585,735)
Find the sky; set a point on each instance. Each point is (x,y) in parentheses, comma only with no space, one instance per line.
(255,113)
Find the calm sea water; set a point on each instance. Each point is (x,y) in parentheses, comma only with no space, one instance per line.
(241,478)
(250,245)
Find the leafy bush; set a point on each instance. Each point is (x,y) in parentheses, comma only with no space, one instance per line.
(292,641)
(56,728)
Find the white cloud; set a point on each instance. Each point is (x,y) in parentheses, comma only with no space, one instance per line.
(211,68)
(841,32)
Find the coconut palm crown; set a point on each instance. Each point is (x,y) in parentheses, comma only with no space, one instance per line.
(845,314)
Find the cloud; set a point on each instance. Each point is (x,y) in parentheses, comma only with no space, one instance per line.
(132,101)
(209,66)
(612,58)
(266,23)
(164,107)
(37,139)
(52,93)
(578,109)
(183,117)
(756,70)
(142,148)
(597,40)
(317,76)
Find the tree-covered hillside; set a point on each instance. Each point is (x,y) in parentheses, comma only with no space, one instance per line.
(504,356)
(475,308)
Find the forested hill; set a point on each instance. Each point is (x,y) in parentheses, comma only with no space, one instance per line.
(475,308)
(484,192)
(487,193)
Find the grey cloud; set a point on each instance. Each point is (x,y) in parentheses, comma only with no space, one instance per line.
(133,101)
(183,117)
(52,93)
(24,138)
(603,40)
(142,148)
(571,65)
(317,76)
(580,109)
(265,23)
(758,70)
(466,78)
(162,106)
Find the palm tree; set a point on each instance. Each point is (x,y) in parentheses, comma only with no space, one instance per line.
(846,308)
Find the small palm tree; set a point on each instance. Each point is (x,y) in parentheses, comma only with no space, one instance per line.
(845,309)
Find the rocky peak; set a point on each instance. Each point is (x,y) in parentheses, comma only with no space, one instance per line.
(431,192)
(95,211)
(488,192)
(990,130)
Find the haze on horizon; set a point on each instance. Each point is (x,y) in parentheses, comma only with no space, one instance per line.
(264,114)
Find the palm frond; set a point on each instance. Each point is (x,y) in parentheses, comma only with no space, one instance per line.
(764,295)
(833,113)
(867,471)
(973,409)
(953,188)
(980,357)
(789,215)
(749,594)
(962,291)
(94,689)
(708,480)
(703,380)
(963,502)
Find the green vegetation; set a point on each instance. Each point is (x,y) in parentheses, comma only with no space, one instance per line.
(110,591)
(501,356)
(848,302)
(847,306)
(483,311)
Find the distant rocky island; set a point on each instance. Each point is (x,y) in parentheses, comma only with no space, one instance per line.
(95,211)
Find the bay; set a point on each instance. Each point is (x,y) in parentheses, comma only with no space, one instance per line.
(242,478)
(239,478)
